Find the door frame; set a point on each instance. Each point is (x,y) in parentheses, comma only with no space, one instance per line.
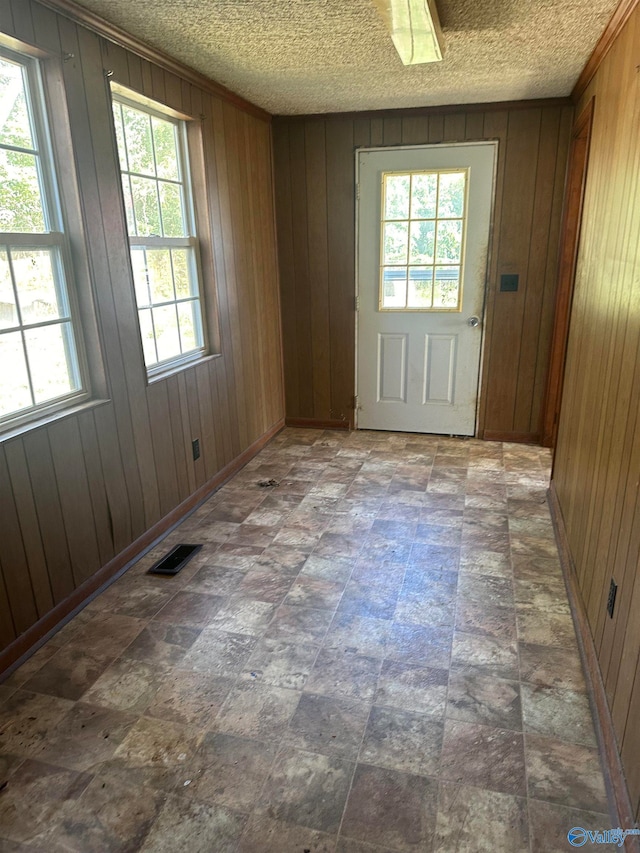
(573,205)
(483,314)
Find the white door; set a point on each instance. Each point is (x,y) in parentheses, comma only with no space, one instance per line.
(424,217)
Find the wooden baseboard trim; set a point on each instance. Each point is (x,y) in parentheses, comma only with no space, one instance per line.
(621,15)
(619,802)
(27,643)
(516,437)
(314,423)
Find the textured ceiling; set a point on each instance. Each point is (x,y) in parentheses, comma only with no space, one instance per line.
(313,56)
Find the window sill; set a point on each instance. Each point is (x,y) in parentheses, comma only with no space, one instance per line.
(51,418)
(183,365)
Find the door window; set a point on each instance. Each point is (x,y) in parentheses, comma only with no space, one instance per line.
(423,224)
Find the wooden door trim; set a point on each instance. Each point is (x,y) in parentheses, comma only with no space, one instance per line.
(567,260)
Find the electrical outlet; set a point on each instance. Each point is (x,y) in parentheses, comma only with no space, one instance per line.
(611,602)
(195,447)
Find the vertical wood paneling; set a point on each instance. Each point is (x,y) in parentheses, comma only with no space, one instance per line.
(316,193)
(21,489)
(533,145)
(16,577)
(597,463)
(79,491)
(341,253)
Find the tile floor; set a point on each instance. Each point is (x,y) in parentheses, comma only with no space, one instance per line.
(375,656)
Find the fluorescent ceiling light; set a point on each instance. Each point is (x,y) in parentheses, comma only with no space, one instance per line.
(415,29)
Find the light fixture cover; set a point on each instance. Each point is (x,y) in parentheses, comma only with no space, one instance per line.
(415,29)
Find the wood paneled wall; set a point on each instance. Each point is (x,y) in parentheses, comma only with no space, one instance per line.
(315,202)
(75,493)
(597,463)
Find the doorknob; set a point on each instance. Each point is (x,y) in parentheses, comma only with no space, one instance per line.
(473,322)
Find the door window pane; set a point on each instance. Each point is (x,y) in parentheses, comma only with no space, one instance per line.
(397,189)
(394,293)
(420,287)
(423,228)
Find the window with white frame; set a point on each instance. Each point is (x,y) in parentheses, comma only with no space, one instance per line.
(41,363)
(152,147)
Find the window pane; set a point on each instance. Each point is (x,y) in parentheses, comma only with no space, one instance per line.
(396,196)
(20,200)
(422,240)
(14,382)
(424,190)
(160,276)
(449,242)
(48,352)
(139,264)
(395,242)
(167,337)
(37,292)
(394,287)
(148,343)
(171,205)
(451,197)
(447,287)
(145,204)
(185,283)
(15,127)
(164,140)
(188,313)
(137,128)
(8,308)
(420,287)
(128,206)
(122,151)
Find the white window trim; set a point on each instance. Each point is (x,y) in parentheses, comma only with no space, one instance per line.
(56,236)
(121,94)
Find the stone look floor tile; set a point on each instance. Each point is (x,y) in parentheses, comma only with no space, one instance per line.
(197,827)
(111,815)
(127,685)
(412,687)
(392,602)
(485,655)
(280,663)
(33,796)
(26,719)
(565,773)
(230,771)
(276,836)
(328,725)
(476,698)
(190,698)
(559,713)
(85,737)
(484,756)
(70,672)
(472,820)
(550,824)
(257,711)
(337,673)
(551,667)
(390,808)
(155,754)
(403,740)
(307,789)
